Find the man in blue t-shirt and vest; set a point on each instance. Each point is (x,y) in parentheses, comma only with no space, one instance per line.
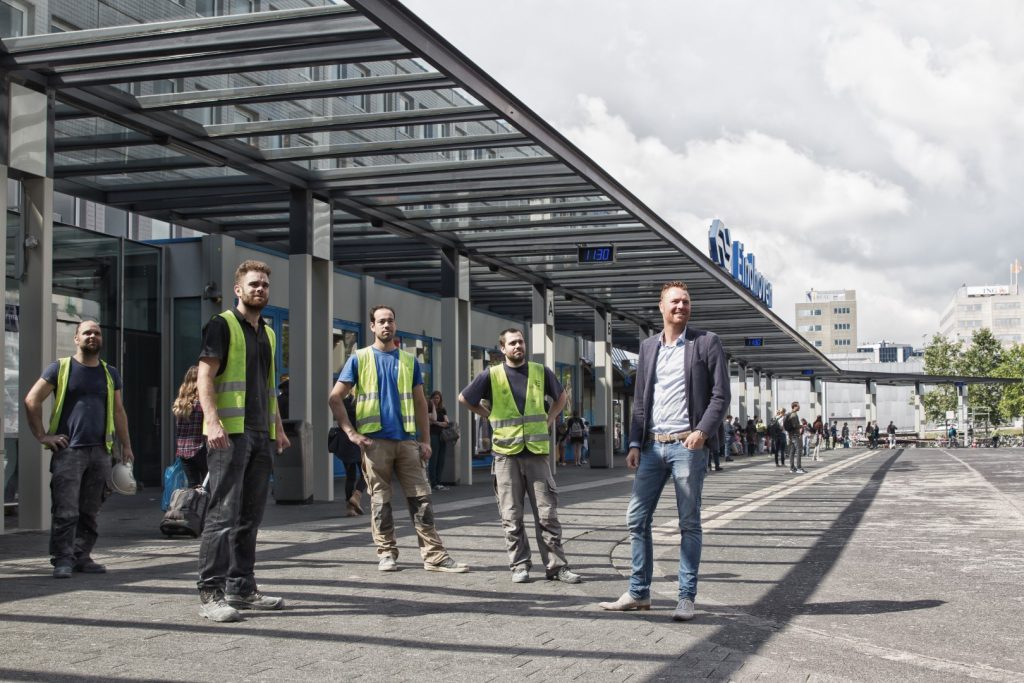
(521,443)
(87,413)
(393,434)
(237,389)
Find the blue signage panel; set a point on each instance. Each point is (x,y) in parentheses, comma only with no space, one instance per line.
(730,255)
(753,341)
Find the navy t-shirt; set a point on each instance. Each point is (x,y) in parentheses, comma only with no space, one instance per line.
(84,414)
(387,380)
(480,387)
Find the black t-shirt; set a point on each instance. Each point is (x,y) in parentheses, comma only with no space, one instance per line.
(216,342)
(480,387)
(83,416)
(440,415)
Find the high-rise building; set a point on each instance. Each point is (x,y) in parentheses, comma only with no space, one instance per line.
(828,319)
(1000,308)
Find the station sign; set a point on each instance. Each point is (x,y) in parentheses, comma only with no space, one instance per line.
(730,255)
(753,341)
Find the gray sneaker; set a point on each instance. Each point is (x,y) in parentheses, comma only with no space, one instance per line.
(684,610)
(520,575)
(62,571)
(387,564)
(254,600)
(215,608)
(446,565)
(565,575)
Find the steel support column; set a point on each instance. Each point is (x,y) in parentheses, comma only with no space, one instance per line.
(542,339)
(455,361)
(741,394)
(870,401)
(919,410)
(310,323)
(769,393)
(755,395)
(603,457)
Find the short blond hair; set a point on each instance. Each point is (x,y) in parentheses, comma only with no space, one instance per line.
(672,284)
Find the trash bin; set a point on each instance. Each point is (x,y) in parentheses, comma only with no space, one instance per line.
(293,468)
(600,453)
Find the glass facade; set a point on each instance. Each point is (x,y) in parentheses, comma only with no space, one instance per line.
(115,282)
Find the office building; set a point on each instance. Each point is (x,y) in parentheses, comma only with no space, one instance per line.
(828,319)
(1000,308)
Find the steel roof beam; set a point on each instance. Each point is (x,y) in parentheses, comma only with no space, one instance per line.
(387,119)
(289,57)
(392,171)
(517,209)
(576,188)
(389,147)
(273,92)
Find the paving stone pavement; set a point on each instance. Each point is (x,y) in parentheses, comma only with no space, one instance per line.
(876,565)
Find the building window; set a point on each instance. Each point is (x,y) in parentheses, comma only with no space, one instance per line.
(1006,305)
(840,309)
(1006,322)
(969,324)
(842,342)
(841,326)
(13,19)
(817,343)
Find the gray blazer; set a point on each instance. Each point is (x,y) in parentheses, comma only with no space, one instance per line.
(707,384)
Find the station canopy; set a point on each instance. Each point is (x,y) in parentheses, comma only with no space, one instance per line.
(214,123)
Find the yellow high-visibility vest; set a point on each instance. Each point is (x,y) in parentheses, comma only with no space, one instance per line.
(63,372)
(230,384)
(368,392)
(514,431)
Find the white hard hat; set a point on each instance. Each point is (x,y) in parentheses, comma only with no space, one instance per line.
(122,480)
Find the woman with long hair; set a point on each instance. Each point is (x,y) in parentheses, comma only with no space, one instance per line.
(188,428)
(438,423)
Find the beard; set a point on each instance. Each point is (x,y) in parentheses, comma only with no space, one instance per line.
(252,302)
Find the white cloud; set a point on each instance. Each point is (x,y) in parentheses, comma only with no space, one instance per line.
(748,179)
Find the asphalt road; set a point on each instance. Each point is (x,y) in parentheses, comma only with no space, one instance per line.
(876,565)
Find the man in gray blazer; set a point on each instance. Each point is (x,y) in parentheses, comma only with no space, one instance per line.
(680,397)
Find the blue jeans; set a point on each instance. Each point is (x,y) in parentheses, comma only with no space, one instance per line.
(239,483)
(687,468)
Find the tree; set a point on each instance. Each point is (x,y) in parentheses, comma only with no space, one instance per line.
(1012,403)
(941,357)
(981,359)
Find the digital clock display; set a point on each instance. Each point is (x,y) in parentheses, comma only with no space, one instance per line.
(601,254)
(753,341)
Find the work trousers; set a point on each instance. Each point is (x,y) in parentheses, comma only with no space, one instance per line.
(78,476)
(517,477)
(387,458)
(238,487)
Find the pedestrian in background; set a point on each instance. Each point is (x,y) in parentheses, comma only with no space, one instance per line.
(190,446)
(87,413)
(350,456)
(438,418)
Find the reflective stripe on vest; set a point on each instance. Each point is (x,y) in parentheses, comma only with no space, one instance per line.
(230,384)
(514,431)
(63,373)
(368,392)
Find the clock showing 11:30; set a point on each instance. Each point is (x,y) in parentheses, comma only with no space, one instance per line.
(604,253)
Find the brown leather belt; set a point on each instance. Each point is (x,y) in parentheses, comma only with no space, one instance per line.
(670,438)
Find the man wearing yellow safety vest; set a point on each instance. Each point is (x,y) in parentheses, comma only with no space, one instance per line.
(392,432)
(87,413)
(237,389)
(521,443)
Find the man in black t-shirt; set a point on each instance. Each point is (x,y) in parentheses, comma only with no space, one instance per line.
(522,458)
(86,415)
